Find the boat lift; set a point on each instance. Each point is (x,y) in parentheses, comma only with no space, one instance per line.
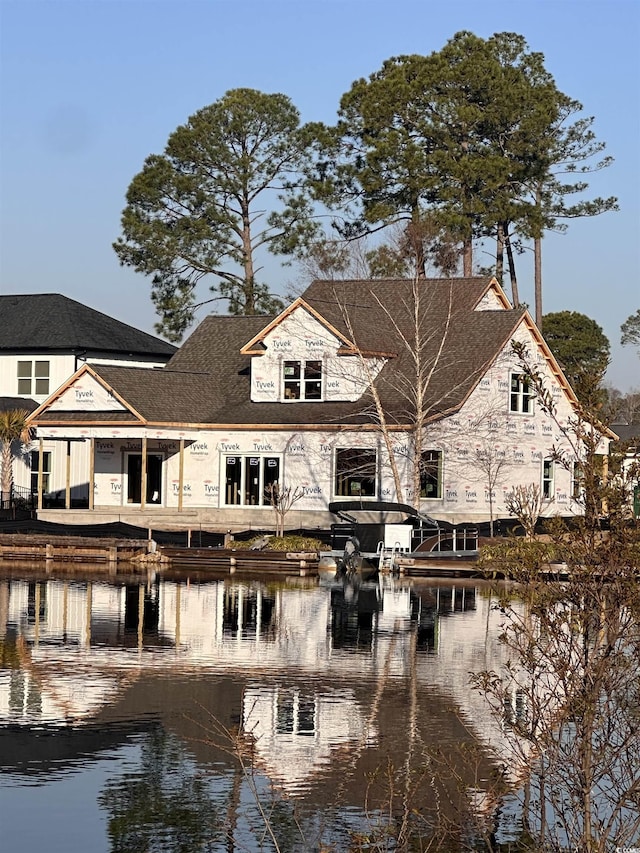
(382,542)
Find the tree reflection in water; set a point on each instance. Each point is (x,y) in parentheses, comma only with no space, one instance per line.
(165,806)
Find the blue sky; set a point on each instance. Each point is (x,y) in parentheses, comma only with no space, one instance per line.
(88,89)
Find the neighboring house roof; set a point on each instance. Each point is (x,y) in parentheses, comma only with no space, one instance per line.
(8,404)
(50,322)
(627,432)
(208,381)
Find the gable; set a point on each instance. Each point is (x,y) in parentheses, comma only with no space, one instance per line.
(86,394)
(281,328)
(299,343)
(301,334)
(493,299)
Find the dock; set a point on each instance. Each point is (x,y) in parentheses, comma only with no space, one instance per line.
(432,564)
(82,549)
(241,560)
(108,552)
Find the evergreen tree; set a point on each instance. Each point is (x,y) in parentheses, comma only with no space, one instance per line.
(475,137)
(582,350)
(228,184)
(631,331)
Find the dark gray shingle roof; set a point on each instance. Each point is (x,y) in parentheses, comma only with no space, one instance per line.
(208,379)
(8,404)
(45,322)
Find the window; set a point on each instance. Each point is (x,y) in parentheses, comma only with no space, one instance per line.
(356,471)
(547,479)
(295,714)
(33,378)
(520,397)
(46,471)
(248,479)
(302,380)
(431,474)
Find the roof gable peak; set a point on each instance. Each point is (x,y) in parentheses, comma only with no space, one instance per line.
(256,345)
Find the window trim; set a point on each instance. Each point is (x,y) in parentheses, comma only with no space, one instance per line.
(349,480)
(307,377)
(520,396)
(577,481)
(47,459)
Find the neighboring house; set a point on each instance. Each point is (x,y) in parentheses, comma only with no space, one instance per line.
(44,339)
(247,402)
(628,445)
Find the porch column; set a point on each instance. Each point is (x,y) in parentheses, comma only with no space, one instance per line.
(67,481)
(605,479)
(40,471)
(180,473)
(92,470)
(143,475)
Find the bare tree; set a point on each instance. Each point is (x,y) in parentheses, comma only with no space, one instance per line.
(409,375)
(570,691)
(282,498)
(525,502)
(568,698)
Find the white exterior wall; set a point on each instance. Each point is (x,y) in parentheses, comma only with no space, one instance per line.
(307,462)
(485,424)
(61,367)
(307,457)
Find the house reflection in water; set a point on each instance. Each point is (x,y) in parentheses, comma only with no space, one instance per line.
(319,679)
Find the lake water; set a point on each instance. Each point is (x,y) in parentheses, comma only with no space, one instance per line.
(244,714)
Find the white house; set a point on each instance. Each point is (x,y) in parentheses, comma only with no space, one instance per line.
(44,339)
(319,398)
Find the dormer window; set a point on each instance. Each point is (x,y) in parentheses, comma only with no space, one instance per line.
(302,380)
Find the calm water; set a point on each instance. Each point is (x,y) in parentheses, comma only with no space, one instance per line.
(166,716)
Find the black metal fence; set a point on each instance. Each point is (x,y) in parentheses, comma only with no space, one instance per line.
(18,500)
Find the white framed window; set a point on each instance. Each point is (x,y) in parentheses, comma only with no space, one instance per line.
(33,378)
(547,479)
(249,479)
(46,471)
(520,394)
(431,474)
(302,380)
(356,473)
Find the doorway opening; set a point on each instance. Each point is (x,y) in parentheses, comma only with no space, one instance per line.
(153,494)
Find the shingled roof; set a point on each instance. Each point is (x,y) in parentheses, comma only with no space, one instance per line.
(50,322)
(208,380)
(360,309)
